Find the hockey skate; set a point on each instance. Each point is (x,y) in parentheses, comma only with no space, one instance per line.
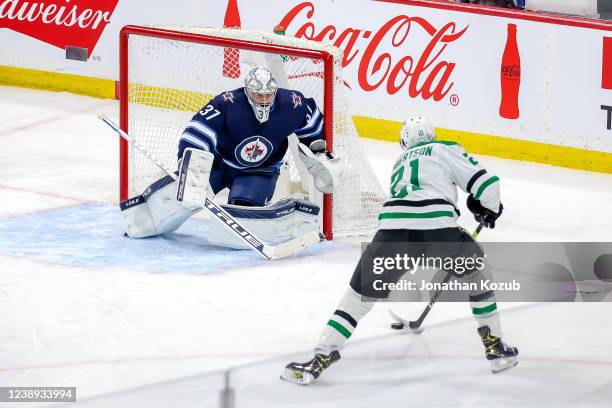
(306,373)
(501,355)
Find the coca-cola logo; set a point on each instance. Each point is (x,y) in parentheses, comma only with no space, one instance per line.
(427,74)
(77,23)
(512,71)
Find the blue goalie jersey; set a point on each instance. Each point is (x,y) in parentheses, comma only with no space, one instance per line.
(227,127)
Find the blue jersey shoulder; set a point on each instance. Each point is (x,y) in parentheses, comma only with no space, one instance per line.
(228,127)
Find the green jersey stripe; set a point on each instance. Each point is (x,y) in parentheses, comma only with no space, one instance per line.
(484,185)
(433,214)
(444,142)
(484,310)
(341,329)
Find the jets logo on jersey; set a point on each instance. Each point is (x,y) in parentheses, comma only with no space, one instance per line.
(297,100)
(228,96)
(253,151)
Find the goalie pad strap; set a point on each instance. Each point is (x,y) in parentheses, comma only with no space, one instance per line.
(279,209)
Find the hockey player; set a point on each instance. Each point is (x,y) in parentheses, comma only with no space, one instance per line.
(420,211)
(238,140)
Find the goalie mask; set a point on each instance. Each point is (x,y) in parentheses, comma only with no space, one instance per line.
(416,129)
(260,88)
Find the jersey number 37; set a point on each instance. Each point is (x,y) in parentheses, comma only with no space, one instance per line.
(399,185)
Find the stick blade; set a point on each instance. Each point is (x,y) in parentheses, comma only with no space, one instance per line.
(294,246)
(403,324)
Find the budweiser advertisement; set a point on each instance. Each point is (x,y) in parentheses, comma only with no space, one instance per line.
(60,23)
(496,75)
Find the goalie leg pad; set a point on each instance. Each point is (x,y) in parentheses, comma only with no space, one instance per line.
(274,224)
(136,218)
(155,212)
(167,212)
(194,174)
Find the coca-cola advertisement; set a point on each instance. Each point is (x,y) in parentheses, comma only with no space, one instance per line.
(510,77)
(388,57)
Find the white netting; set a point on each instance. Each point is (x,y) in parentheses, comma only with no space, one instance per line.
(170,80)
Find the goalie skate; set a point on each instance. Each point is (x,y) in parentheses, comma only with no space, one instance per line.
(306,373)
(501,355)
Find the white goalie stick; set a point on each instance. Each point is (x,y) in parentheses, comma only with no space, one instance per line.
(415,325)
(267,251)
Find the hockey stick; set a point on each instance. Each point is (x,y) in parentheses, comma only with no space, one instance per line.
(415,325)
(267,251)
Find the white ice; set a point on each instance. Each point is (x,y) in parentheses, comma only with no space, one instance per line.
(82,306)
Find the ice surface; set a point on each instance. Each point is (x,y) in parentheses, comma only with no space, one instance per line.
(81,305)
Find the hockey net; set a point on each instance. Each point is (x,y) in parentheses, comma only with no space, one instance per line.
(170,73)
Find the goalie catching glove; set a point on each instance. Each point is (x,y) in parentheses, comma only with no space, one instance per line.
(323,166)
(482,214)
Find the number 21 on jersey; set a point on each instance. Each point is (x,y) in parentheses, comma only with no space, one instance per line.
(398,180)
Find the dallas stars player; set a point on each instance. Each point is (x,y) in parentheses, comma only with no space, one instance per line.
(421,210)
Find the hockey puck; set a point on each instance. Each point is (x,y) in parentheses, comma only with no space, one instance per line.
(397,326)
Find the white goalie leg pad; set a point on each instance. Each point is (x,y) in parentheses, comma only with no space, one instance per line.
(194,173)
(273,224)
(156,211)
(136,218)
(325,169)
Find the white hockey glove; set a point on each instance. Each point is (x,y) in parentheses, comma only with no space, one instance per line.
(194,173)
(325,169)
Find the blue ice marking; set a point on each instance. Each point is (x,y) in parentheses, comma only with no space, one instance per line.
(91,235)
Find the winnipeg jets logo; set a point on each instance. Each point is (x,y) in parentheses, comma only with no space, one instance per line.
(253,151)
(297,100)
(228,96)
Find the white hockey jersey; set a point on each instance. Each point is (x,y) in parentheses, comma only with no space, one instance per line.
(423,191)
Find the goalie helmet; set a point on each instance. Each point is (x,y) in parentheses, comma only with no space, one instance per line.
(416,129)
(260,88)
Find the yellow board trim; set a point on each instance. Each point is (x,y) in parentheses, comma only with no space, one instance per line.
(497,146)
(56,81)
(373,128)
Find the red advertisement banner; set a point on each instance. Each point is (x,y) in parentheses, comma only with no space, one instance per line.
(77,23)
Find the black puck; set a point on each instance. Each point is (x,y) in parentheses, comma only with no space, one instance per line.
(397,326)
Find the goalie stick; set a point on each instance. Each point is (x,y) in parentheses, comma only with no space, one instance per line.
(415,325)
(267,251)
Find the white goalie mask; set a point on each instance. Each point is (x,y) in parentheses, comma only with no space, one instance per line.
(416,129)
(260,88)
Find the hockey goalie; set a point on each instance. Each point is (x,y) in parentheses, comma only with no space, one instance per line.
(238,141)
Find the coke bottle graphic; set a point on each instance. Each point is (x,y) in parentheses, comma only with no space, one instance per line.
(510,77)
(231,56)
